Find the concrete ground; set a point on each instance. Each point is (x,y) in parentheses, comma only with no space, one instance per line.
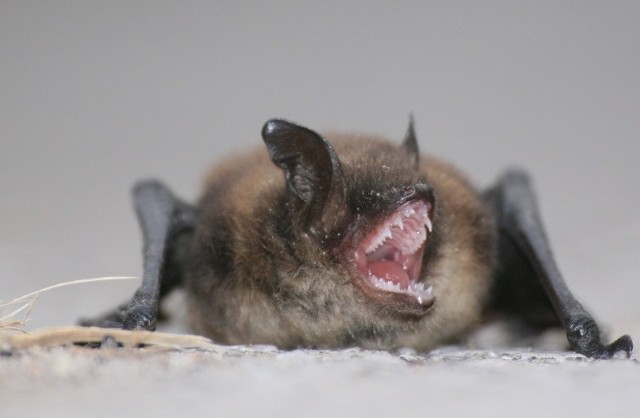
(97,95)
(265,382)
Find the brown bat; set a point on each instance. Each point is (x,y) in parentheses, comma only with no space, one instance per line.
(350,241)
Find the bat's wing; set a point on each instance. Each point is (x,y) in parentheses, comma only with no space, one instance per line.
(167,224)
(528,282)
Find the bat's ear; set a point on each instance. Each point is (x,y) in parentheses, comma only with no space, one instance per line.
(410,143)
(312,171)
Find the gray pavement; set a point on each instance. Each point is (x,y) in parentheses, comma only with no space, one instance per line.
(264,382)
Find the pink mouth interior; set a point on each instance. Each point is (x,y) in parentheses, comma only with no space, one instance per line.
(390,256)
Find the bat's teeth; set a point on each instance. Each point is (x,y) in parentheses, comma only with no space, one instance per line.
(419,292)
(379,240)
(384,284)
(408,229)
(373,246)
(416,290)
(411,242)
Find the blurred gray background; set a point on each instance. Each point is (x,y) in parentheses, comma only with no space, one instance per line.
(95,95)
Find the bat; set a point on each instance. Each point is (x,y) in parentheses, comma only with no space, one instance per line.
(350,241)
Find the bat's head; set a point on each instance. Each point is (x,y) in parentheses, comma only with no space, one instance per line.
(376,216)
(368,212)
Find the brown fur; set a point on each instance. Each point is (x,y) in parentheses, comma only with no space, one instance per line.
(257,278)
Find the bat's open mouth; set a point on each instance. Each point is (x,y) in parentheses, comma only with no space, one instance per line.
(389,258)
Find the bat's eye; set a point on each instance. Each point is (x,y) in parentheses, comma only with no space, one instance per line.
(389,258)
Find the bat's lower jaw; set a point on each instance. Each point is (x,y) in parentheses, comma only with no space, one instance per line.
(414,301)
(415,289)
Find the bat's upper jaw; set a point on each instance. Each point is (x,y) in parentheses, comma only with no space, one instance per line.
(388,259)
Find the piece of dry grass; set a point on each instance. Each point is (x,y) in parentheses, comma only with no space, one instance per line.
(22,306)
(25,303)
(60,336)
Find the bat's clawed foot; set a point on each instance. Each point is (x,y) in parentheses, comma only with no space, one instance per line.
(111,319)
(584,337)
(142,317)
(132,316)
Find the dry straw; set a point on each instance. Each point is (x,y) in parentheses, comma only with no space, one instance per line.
(14,336)
(12,321)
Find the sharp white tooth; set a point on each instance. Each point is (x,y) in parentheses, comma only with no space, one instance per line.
(429,224)
(376,243)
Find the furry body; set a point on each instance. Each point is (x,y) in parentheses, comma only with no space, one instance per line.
(275,286)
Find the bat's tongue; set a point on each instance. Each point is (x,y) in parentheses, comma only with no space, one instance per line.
(391,265)
(390,271)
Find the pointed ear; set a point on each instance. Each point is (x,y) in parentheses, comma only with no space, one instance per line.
(312,171)
(410,143)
